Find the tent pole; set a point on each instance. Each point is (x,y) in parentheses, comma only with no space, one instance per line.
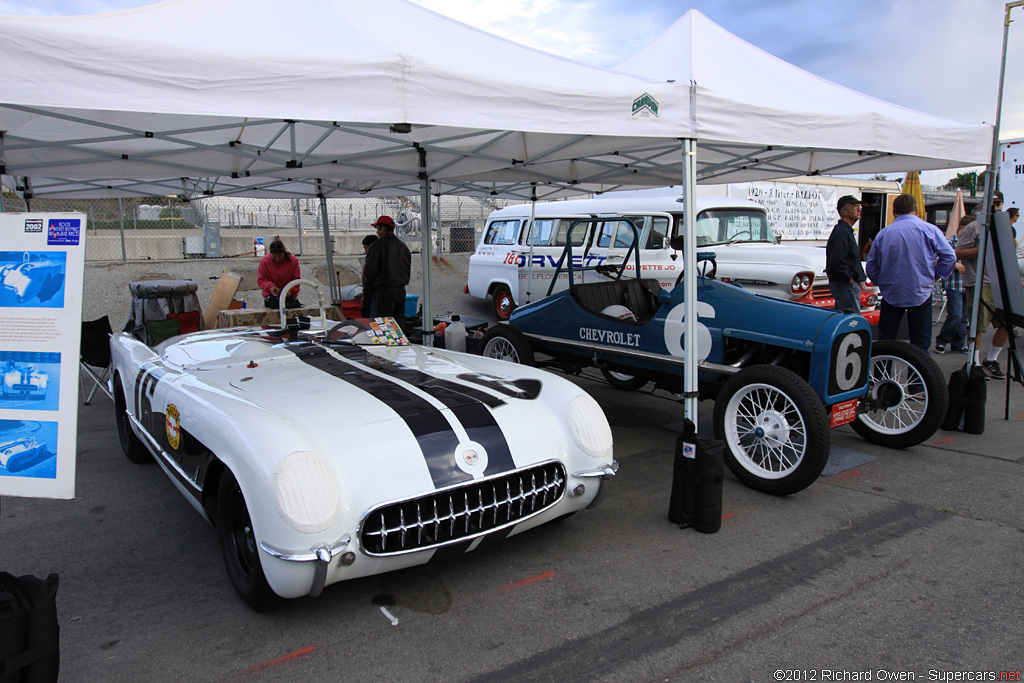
(990,186)
(428,319)
(332,282)
(298,222)
(531,236)
(120,222)
(690,279)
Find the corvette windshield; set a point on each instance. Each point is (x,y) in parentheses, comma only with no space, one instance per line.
(732,226)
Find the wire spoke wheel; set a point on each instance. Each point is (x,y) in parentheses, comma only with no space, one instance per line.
(774,428)
(504,342)
(906,399)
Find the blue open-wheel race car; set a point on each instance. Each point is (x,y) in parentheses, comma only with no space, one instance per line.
(782,373)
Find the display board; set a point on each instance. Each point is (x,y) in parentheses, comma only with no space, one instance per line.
(42,267)
(796,211)
(1001,267)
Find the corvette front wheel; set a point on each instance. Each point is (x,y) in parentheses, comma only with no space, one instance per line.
(775,430)
(240,548)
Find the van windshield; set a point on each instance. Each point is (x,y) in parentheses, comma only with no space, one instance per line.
(729,226)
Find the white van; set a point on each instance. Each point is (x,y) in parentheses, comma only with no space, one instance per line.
(512,271)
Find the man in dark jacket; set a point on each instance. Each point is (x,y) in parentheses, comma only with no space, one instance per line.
(842,257)
(386,274)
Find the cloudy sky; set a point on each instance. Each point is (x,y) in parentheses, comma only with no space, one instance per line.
(937,56)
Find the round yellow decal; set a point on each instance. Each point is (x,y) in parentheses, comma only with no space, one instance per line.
(173,426)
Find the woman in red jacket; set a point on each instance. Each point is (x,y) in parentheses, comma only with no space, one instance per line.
(276,269)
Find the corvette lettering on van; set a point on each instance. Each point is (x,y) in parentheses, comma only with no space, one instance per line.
(546,261)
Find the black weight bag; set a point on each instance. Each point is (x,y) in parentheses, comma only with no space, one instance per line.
(967,396)
(29,632)
(697,475)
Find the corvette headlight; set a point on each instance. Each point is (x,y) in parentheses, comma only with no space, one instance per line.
(589,427)
(305,493)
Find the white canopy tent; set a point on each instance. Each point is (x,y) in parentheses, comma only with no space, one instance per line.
(336,97)
(344,97)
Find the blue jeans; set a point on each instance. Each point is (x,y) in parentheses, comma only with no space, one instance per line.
(919,323)
(847,296)
(954,328)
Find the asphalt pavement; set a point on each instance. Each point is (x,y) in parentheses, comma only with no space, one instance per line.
(907,563)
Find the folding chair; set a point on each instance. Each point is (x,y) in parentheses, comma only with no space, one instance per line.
(95,355)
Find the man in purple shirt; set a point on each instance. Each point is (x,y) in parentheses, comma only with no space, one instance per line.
(905,260)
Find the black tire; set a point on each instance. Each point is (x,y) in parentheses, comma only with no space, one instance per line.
(501,297)
(505,342)
(622,381)
(907,396)
(132,446)
(775,430)
(240,548)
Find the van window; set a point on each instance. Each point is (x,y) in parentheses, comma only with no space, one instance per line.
(652,229)
(724,226)
(550,232)
(502,232)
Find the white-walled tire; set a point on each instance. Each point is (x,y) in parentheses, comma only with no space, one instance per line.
(775,430)
(907,396)
(505,342)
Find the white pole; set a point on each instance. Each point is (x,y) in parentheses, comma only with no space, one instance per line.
(532,238)
(690,279)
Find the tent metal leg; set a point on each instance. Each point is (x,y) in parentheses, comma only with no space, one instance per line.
(690,279)
(328,248)
(425,248)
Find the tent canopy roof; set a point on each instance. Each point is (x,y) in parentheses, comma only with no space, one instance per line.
(253,99)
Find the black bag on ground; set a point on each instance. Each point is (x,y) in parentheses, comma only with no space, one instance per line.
(697,476)
(967,396)
(29,632)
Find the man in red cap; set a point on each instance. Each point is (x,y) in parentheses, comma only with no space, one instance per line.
(386,274)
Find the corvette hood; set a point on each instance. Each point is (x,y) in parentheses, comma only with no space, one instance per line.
(320,387)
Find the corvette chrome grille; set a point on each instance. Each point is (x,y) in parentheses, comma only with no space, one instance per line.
(463,512)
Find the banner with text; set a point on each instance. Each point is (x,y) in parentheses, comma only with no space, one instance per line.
(42,270)
(795,211)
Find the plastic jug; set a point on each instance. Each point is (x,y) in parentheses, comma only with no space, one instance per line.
(455,335)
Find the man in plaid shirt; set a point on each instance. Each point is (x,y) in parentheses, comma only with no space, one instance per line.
(954,329)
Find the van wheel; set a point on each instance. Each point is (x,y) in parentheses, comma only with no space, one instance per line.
(503,303)
(505,342)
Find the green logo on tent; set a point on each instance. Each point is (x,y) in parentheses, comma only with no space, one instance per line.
(647,102)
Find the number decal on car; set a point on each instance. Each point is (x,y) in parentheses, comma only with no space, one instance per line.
(849,362)
(675,325)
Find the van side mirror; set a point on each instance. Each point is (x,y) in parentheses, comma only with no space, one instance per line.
(676,242)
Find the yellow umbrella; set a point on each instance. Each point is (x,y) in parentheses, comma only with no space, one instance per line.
(912,186)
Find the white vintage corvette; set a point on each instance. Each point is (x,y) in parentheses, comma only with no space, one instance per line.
(322,456)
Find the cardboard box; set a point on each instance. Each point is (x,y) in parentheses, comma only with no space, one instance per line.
(220,300)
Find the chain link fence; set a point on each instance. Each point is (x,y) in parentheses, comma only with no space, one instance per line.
(148,228)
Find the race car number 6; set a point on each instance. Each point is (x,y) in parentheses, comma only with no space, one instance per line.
(848,362)
(675,326)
